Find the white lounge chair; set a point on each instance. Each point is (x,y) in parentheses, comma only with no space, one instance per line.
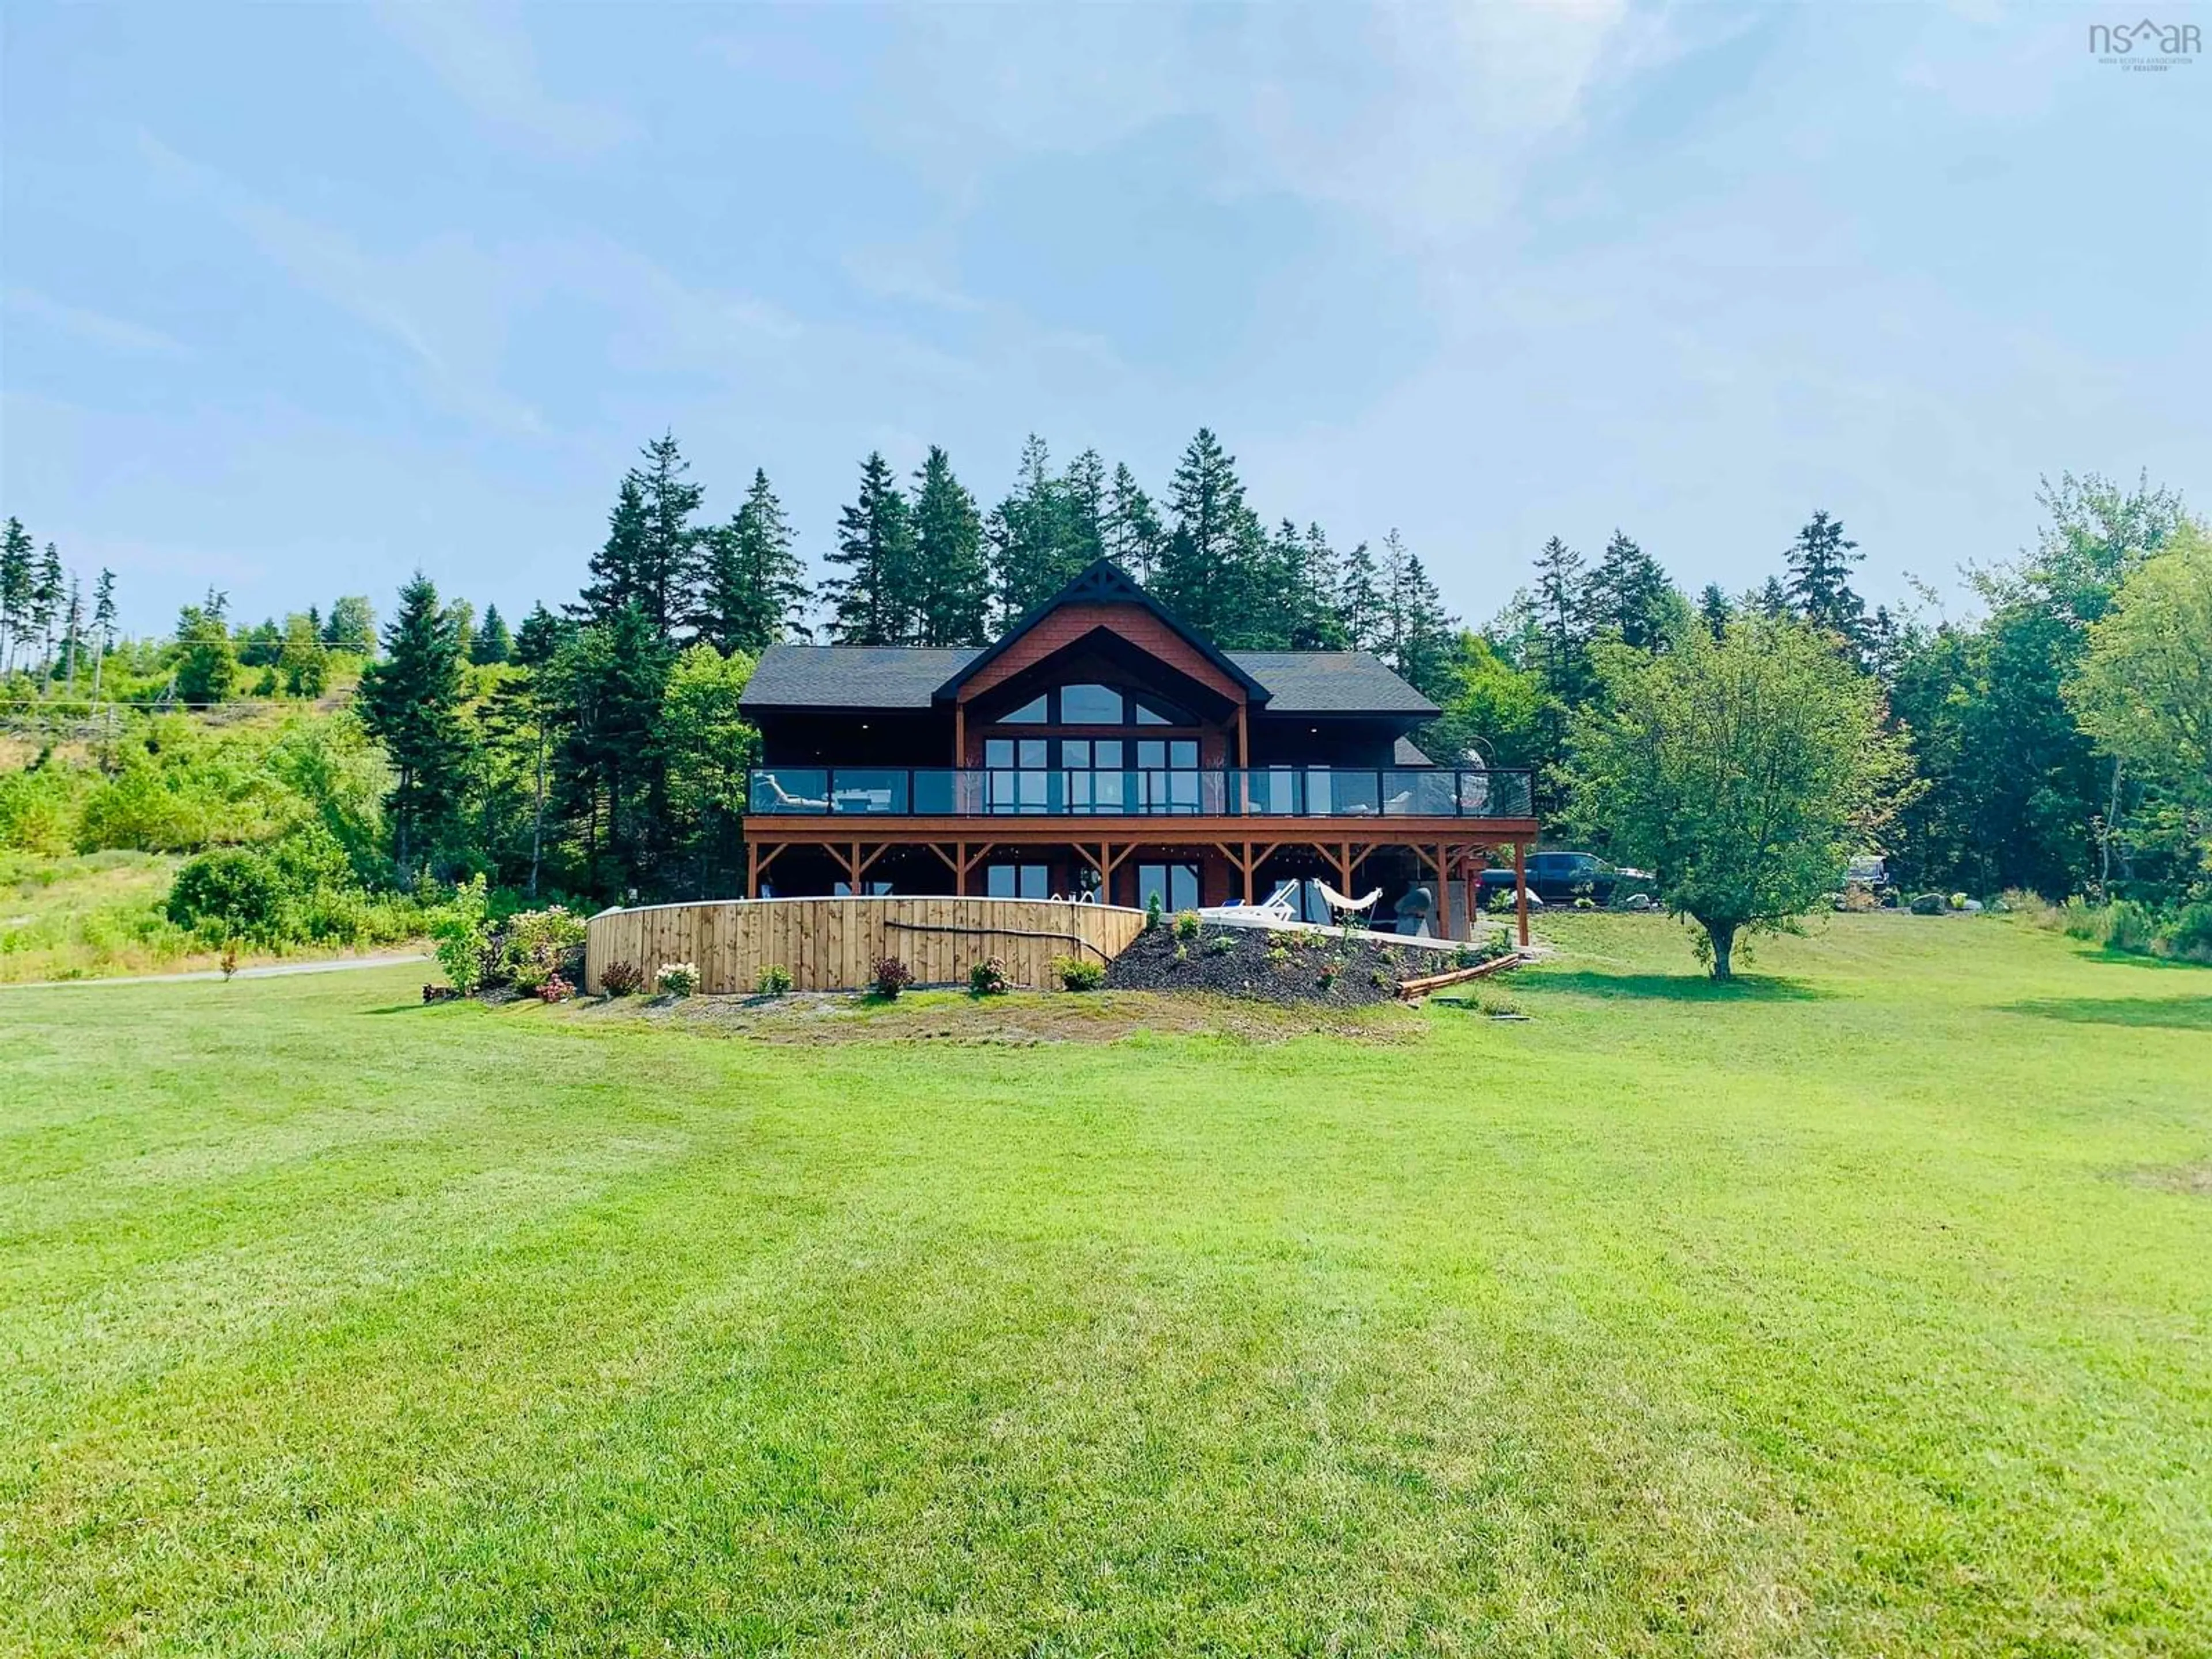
(789,802)
(1279,906)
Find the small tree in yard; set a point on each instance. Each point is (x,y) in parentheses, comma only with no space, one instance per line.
(1745,771)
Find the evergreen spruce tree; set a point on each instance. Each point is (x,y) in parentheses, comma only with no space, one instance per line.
(1360,600)
(951,575)
(72,635)
(668,546)
(1820,561)
(410,700)
(1317,620)
(1562,615)
(610,777)
(1630,594)
(103,625)
(1424,660)
(1200,575)
(18,578)
(1771,600)
(540,637)
(303,665)
(1084,502)
(755,589)
(259,645)
(1132,534)
(207,666)
(615,577)
(874,604)
(1035,551)
(491,642)
(1715,609)
(48,589)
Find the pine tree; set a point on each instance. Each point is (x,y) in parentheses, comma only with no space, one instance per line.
(614,578)
(952,578)
(873,605)
(1424,660)
(103,625)
(491,643)
(1084,507)
(540,637)
(48,590)
(72,635)
(1132,533)
(303,664)
(1360,600)
(1562,610)
(610,777)
(411,702)
(18,578)
(1034,553)
(1820,561)
(755,589)
(206,667)
(1715,610)
(667,566)
(1199,573)
(1771,600)
(259,645)
(1630,594)
(1317,621)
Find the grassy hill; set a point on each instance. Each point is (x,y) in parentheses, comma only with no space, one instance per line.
(1860,1308)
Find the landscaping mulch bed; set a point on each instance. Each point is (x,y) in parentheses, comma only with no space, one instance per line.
(1296,967)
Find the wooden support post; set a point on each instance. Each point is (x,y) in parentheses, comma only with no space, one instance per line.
(1248,862)
(1243,738)
(960,868)
(752,869)
(1443,889)
(1521,888)
(959,737)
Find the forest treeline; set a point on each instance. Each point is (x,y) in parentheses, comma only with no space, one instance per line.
(594,749)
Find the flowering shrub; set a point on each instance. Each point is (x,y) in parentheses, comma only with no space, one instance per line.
(622,979)
(535,941)
(889,976)
(987,978)
(1186,924)
(1080,972)
(554,989)
(678,979)
(774,980)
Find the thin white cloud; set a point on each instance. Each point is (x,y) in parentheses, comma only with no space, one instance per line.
(441,305)
(483,55)
(116,333)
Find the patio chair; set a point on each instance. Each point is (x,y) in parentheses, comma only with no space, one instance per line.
(789,802)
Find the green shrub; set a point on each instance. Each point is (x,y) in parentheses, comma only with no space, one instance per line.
(1186,924)
(1151,912)
(534,944)
(627,978)
(774,980)
(677,979)
(1220,945)
(2190,933)
(1278,957)
(1080,972)
(458,937)
(231,893)
(2129,926)
(987,978)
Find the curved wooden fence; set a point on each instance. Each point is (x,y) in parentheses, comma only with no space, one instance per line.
(833,944)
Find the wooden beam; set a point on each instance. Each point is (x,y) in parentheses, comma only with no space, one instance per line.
(959,736)
(1243,738)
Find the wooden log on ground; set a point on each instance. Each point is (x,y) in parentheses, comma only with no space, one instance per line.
(1428,982)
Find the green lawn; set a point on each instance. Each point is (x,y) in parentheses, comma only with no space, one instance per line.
(1865,1308)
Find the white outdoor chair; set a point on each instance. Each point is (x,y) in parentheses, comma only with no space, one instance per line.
(789,802)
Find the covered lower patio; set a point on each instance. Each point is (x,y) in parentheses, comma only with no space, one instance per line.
(1187,866)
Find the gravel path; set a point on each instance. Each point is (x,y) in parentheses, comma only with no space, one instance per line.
(272,971)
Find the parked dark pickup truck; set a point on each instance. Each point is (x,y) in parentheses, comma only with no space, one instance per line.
(1563,878)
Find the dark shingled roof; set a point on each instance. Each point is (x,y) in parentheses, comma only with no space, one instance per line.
(907,676)
(853,676)
(1331,682)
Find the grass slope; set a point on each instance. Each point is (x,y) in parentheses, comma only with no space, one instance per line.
(1862,1309)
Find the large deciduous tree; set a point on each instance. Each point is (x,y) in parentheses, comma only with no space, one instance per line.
(1744,772)
(2144,686)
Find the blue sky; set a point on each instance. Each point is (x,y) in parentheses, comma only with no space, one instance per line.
(298,298)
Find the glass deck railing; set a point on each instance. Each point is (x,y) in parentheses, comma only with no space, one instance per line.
(1305,791)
